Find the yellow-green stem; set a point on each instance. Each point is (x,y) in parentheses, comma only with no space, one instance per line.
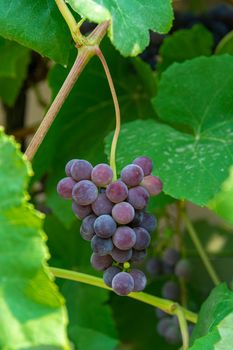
(71,22)
(166,305)
(183,327)
(117,112)
(201,251)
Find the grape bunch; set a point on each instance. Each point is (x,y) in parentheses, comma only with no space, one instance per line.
(170,263)
(113,217)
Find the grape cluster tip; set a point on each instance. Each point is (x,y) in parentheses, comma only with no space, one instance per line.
(114,217)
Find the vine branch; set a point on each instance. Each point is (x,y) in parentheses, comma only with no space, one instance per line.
(194,237)
(85,53)
(167,306)
(117,112)
(183,327)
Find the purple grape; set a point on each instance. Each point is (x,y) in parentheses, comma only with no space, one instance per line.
(153,185)
(102,175)
(81,211)
(163,325)
(121,256)
(139,280)
(171,291)
(101,263)
(171,256)
(132,175)
(65,187)
(81,170)
(138,256)
(148,222)
(105,226)
(123,213)
(124,238)
(117,191)
(183,269)
(101,246)
(122,283)
(85,192)
(87,228)
(138,197)
(160,313)
(145,163)
(167,269)
(142,238)
(68,167)
(172,334)
(102,205)
(137,219)
(109,274)
(154,267)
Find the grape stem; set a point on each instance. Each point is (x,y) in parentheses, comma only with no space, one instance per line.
(117,112)
(201,251)
(183,327)
(85,53)
(74,27)
(167,306)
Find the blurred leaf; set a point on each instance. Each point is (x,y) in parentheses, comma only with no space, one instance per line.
(89,315)
(214,321)
(222,203)
(32,311)
(86,117)
(184,45)
(10,86)
(129,21)
(225,45)
(37,25)
(193,157)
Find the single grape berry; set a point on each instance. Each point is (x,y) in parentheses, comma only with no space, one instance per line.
(160,313)
(121,256)
(101,263)
(124,238)
(84,192)
(81,211)
(138,197)
(68,167)
(142,238)
(154,267)
(87,228)
(81,170)
(163,325)
(148,222)
(171,291)
(122,283)
(101,246)
(123,213)
(152,184)
(102,175)
(105,226)
(137,219)
(65,187)
(102,205)
(139,280)
(138,256)
(117,191)
(132,175)
(109,273)
(183,269)
(172,334)
(171,256)
(145,163)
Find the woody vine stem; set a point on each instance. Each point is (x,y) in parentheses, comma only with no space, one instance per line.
(87,48)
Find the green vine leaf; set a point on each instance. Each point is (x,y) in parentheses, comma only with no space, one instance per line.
(130,20)
(33,312)
(193,155)
(214,328)
(37,25)
(184,45)
(14,60)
